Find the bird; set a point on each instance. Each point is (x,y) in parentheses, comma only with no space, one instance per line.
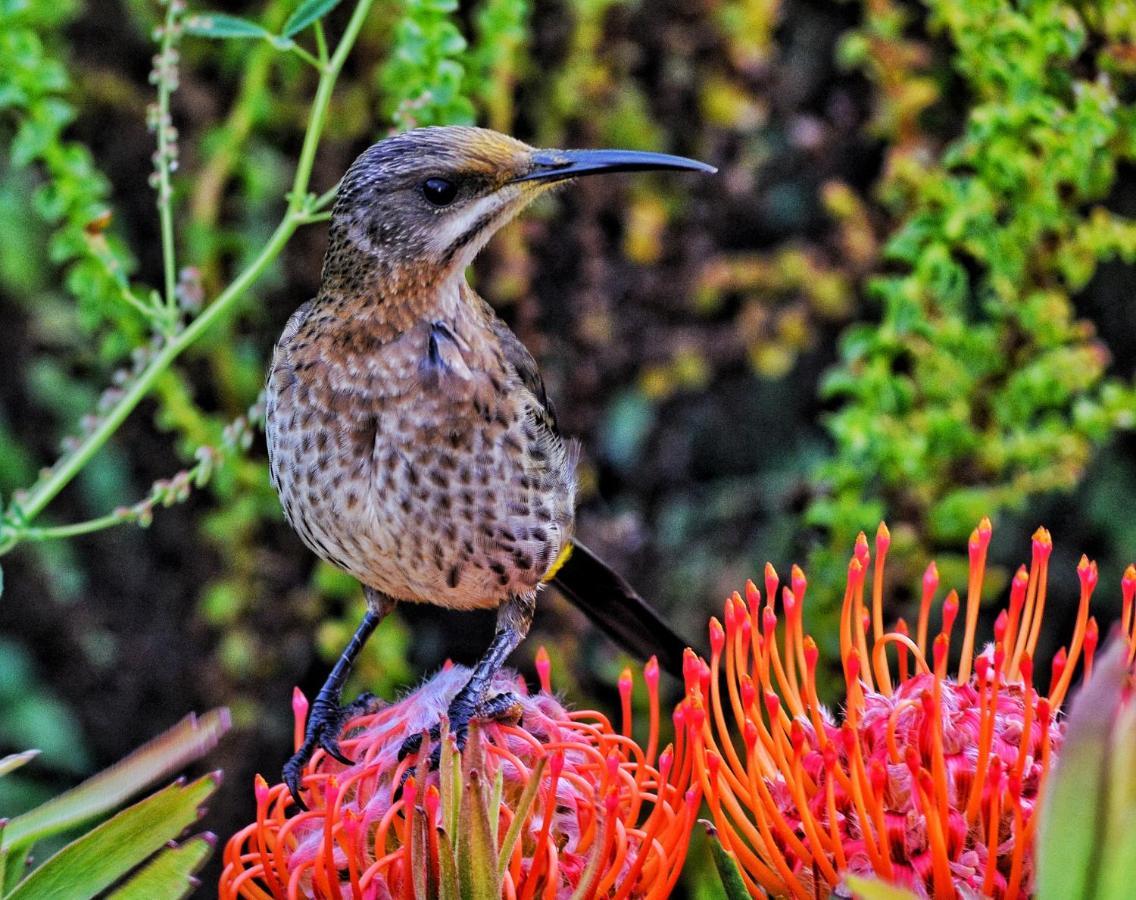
(410,436)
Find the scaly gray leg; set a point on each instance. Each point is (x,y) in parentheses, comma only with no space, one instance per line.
(327,716)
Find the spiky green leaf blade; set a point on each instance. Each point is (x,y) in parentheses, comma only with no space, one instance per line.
(13,761)
(520,814)
(160,758)
(874,889)
(168,875)
(92,863)
(495,802)
(1119,849)
(447,867)
(727,865)
(307,13)
(419,853)
(225,27)
(477,857)
(1075,812)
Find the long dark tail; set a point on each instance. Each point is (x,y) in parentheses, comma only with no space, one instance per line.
(614,607)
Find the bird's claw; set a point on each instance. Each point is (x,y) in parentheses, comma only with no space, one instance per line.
(325,723)
(505,706)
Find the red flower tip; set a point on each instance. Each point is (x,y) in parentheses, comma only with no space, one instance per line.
(931,578)
(772,704)
(1128,583)
(1042,544)
(1000,626)
(1087,573)
(749,734)
(883,539)
(768,621)
(729,613)
(299,705)
(950,612)
(666,760)
(690,670)
(789,602)
(797,735)
(771,581)
(260,788)
(799,583)
(432,801)
(982,667)
(650,674)
(713,763)
(625,684)
(1026,668)
(544,669)
(939,651)
(812,654)
(752,595)
(861,551)
(851,668)
(717,637)
(748,691)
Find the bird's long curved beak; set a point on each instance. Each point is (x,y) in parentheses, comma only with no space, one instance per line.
(559,165)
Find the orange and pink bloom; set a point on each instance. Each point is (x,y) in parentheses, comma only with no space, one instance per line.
(930,779)
(553,804)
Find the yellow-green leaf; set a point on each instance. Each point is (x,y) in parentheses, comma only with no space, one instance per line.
(92,863)
(168,875)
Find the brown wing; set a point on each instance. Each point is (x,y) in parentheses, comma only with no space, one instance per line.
(518,356)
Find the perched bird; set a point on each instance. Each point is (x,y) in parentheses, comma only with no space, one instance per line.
(409,433)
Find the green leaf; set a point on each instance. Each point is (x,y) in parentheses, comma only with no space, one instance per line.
(306,13)
(1120,845)
(874,889)
(477,852)
(727,865)
(170,873)
(520,814)
(95,861)
(13,761)
(1074,817)
(477,857)
(187,741)
(224,27)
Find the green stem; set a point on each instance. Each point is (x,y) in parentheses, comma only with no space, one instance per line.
(73,530)
(306,57)
(299,208)
(165,190)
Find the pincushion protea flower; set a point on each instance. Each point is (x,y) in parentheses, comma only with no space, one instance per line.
(930,781)
(553,804)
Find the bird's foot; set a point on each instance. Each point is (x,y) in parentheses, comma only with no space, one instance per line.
(325,723)
(503,707)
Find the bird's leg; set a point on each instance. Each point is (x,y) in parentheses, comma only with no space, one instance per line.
(327,716)
(514,617)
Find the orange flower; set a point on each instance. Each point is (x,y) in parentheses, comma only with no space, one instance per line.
(930,781)
(554,804)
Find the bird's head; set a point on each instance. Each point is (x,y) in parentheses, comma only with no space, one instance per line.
(430,198)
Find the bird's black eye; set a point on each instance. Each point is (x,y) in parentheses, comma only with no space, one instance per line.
(439,191)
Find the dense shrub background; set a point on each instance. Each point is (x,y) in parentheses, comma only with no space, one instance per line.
(908,294)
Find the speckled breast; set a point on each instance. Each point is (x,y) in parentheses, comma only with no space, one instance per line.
(418,464)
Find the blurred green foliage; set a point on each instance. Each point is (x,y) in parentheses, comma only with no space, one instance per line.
(980,387)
